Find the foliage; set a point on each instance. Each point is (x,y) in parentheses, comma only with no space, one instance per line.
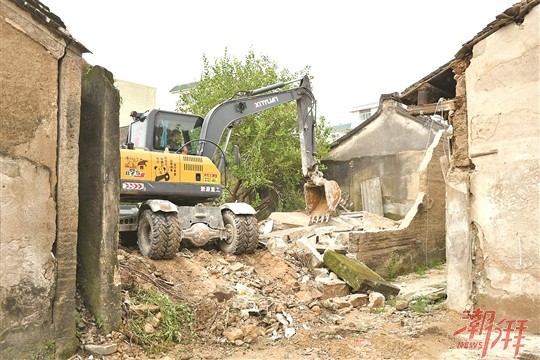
(174,326)
(391,302)
(269,175)
(419,304)
(421,270)
(392,268)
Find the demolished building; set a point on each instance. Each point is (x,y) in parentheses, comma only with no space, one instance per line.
(492,212)
(391,165)
(489,93)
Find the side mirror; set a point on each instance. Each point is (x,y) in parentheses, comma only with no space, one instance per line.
(237,155)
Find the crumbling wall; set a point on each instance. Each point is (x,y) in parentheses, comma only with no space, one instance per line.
(397,174)
(458,231)
(40,74)
(390,147)
(420,238)
(503,111)
(99,192)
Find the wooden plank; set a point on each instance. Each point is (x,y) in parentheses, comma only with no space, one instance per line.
(430,109)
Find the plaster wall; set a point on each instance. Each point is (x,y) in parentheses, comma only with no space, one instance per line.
(390,147)
(503,118)
(397,173)
(420,237)
(391,131)
(39,106)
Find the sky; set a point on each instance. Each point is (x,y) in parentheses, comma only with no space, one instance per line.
(356,50)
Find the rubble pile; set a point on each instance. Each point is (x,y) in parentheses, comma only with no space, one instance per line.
(239,302)
(300,285)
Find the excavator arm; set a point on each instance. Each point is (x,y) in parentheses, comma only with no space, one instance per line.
(322,196)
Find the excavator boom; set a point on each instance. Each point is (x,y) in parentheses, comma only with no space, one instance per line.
(322,196)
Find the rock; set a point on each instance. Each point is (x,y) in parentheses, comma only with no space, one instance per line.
(101,349)
(237,266)
(250,330)
(277,246)
(149,329)
(357,300)
(357,275)
(144,308)
(233,333)
(401,305)
(304,297)
(320,272)
(280,307)
(333,288)
(335,303)
(222,261)
(155,322)
(223,293)
(315,258)
(376,299)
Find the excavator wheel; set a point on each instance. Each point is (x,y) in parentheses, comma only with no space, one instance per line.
(159,234)
(242,234)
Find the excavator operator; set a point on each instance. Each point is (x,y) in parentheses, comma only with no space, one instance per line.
(175,142)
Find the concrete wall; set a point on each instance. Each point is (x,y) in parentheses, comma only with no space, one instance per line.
(99,193)
(503,116)
(390,147)
(397,173)
(39,105)
(420,237)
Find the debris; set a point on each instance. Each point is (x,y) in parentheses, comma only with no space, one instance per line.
(376,299)
(289,332)
(315,258)
(232,334)
(267,227)
(244,290)
(223,293)
(277,246)
(333,287)
(357,275)
(287,321)
(290,218)
(102,349)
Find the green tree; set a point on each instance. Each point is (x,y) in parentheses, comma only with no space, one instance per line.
(270,174)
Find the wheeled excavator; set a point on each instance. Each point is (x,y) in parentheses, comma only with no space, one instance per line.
(164,185)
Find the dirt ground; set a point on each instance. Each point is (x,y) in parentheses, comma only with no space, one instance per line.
(239,300)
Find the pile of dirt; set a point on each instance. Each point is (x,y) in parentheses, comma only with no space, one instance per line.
(259,306)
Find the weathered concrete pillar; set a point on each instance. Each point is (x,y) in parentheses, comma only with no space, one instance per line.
(458,241)
(70,69)
(99,193)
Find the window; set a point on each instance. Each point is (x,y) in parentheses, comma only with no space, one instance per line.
(364,115)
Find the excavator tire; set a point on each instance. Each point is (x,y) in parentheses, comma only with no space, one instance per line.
(243,236)
(159,235)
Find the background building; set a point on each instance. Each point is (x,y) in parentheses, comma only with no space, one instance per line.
(134,97)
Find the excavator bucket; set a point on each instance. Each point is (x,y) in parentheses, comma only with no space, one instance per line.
(322,199)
